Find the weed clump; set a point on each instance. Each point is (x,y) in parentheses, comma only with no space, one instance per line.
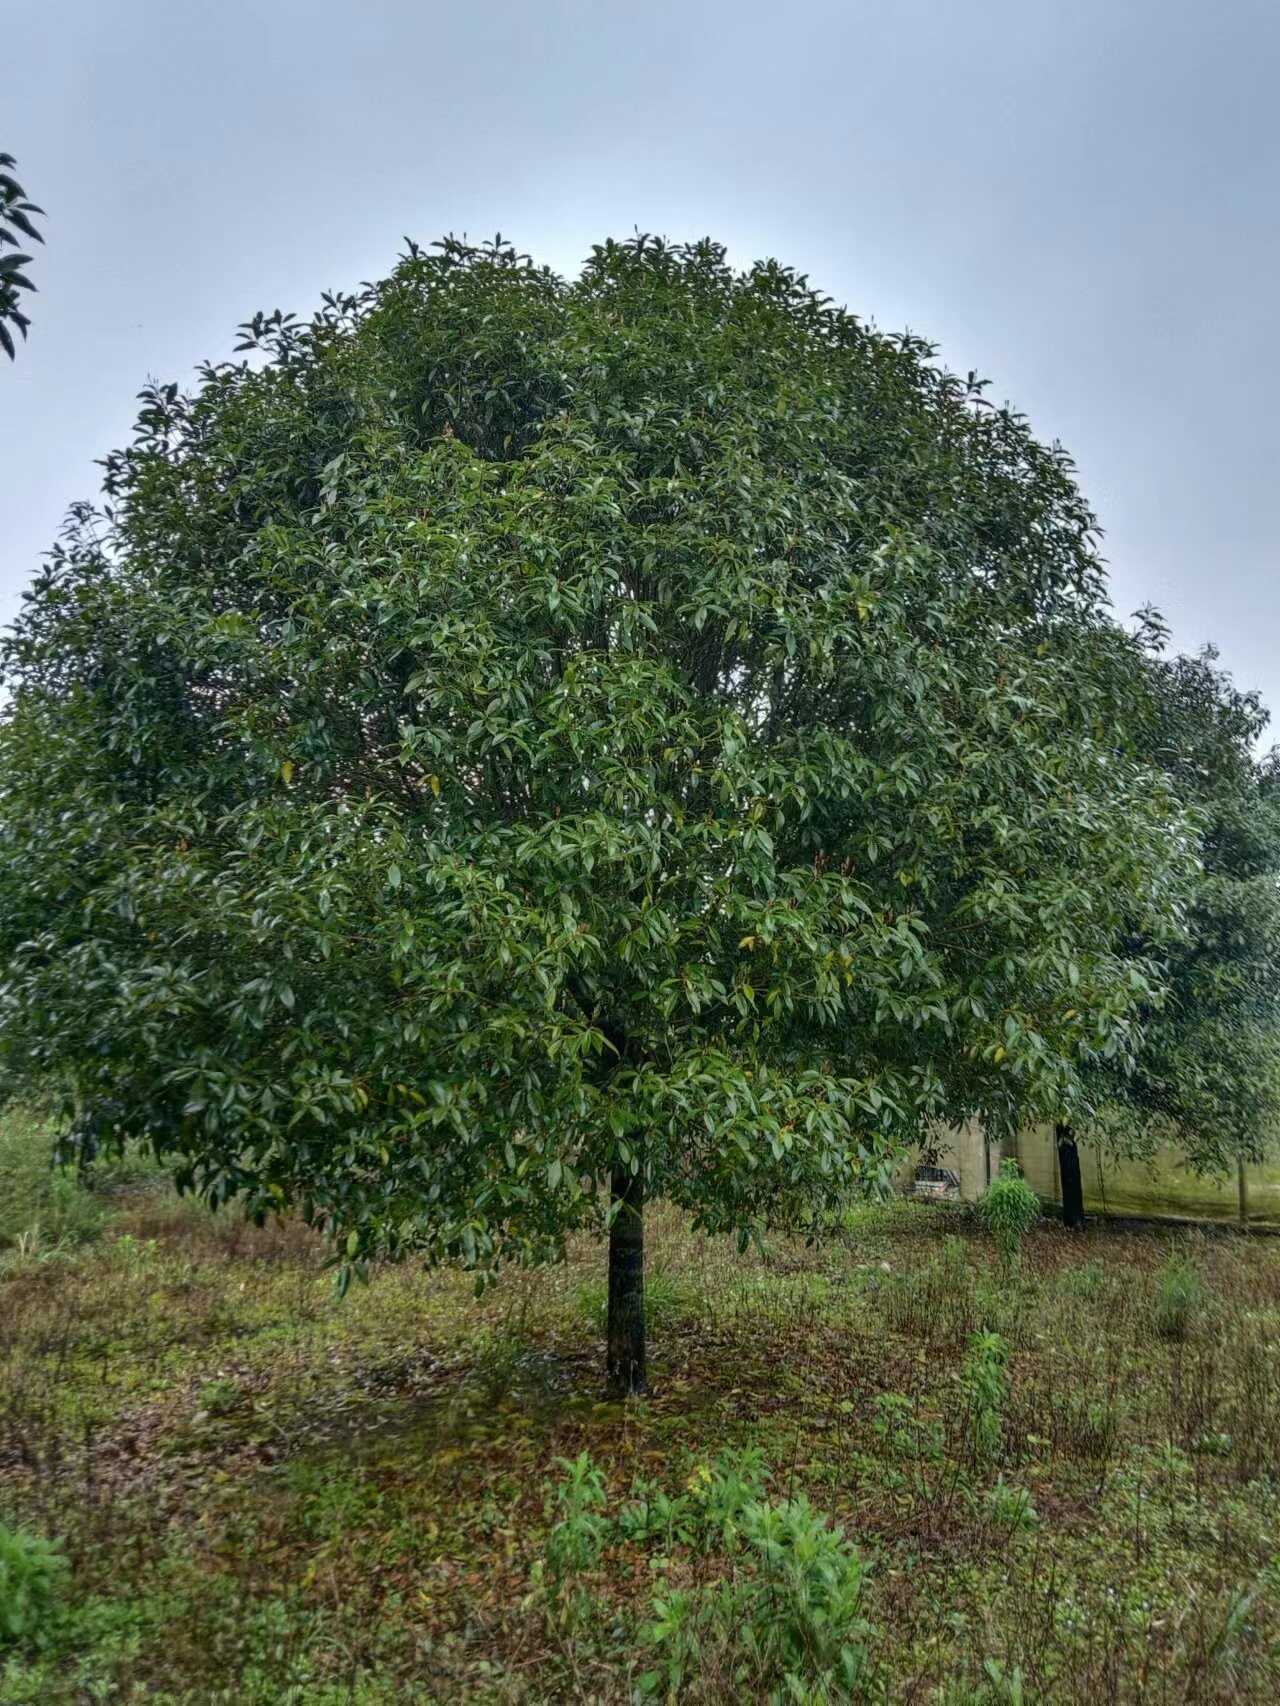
(984,1383)
(1010,1508)
(1088,1425)
(937,1301)
(32,1570)
(1180,1296)
(577,1538)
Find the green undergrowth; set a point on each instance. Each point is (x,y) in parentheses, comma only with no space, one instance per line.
(887,1466)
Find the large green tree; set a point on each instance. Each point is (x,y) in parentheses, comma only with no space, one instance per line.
(1206,1079)
(510,748)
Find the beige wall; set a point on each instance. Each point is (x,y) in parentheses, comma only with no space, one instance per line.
(1038,1154)
(1163,1188)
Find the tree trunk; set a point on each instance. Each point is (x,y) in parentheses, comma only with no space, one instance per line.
(1072,1187)
(626,1287)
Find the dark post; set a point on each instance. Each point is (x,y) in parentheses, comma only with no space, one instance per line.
(1072,1187)
(626,1286)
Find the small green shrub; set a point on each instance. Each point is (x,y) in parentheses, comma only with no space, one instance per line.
(787,1625)
(1179,1298)
(904,1432)
(1004,1686)
(333,1502)
(1010,1508)
(31,1575)
(575,1542)
(1008,1209)
(72,1213)
(723,1488)
(135,1255)
(781,1621)
(998,1687)
(984,1383)
(709,1510)
(219,1397)
(655,1515)
(577,1538)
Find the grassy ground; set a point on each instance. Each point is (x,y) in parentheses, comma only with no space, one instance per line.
(267,1496)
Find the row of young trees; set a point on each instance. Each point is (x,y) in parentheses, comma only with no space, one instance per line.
(1207,1078)
(509,748)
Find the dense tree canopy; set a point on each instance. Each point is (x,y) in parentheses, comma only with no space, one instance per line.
(1207,1079)
(511,743)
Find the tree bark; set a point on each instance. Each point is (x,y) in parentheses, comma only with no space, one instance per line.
(626,1287)
(1072,1185)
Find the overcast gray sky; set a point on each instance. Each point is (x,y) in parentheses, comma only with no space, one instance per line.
(1080,199)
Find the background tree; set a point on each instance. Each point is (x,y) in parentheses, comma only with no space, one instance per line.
(1207,1077)
(15,215)
(510,748)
